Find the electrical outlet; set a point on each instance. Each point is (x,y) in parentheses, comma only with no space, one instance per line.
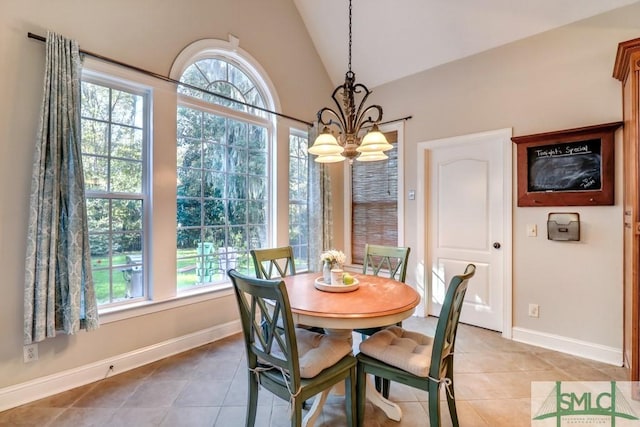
(534,310)
(30,353)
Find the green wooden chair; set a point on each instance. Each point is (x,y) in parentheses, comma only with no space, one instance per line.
(294,364)
(268,262)
(274,263)
(392,261)
(391,354)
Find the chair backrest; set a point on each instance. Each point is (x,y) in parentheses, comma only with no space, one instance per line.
(269,261)
(262,303)
(445,337)
(390,258)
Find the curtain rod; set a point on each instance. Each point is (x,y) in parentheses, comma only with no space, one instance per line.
(405,118)
(177,82)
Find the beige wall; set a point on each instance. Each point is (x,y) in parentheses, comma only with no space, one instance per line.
(148,34)
(557,80)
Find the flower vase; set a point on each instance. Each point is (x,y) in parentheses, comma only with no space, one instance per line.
(326,272)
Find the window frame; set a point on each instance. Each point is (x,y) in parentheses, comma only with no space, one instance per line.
(231,52)
(93,76)
(299,134)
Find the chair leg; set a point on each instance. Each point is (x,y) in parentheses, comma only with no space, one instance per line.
(350,398)
(361,394)
(434,404)
(451,397)
(451,401)
(252,404)
(296,415)
(316,409)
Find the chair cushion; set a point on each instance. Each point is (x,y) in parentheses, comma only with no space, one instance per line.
(317,352)
(406,350)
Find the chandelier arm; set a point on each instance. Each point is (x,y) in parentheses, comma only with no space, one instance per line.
(364,119)
(358,86)
(329,111)
(360,113)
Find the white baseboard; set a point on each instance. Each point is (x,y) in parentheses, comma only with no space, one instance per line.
(600,353)
(39,388)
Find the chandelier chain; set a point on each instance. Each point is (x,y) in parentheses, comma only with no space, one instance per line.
(350,9)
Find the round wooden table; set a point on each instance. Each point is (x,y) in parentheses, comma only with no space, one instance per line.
(378,301)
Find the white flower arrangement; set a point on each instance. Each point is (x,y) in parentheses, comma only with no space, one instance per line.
(334,257)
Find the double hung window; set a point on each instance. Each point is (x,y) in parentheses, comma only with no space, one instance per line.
(114,123)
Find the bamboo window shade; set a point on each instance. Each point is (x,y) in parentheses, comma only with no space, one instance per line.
(374,202)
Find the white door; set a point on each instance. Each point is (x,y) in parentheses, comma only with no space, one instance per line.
(469,210)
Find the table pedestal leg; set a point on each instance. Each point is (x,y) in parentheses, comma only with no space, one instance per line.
(390,409)
(342,334)
(338,389)
(315,410)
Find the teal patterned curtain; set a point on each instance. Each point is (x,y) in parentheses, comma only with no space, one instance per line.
(59,294)
(320,220)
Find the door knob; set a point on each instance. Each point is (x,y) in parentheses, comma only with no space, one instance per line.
(496,245)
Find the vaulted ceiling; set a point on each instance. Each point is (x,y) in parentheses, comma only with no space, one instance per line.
(393,39)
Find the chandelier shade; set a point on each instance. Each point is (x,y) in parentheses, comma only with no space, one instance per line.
(372,156)
(329,158)
(326,144)
(350,119)
(374,141)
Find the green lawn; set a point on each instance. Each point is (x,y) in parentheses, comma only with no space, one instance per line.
(192,271)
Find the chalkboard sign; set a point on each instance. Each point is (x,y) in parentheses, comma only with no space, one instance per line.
(573,167)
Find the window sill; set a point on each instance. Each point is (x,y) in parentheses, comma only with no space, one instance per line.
(142,308)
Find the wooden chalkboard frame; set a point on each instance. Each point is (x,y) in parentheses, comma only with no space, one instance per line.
(566,142)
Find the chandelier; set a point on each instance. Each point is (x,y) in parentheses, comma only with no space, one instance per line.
(349,120)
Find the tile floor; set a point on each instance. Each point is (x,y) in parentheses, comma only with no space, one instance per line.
(207,387)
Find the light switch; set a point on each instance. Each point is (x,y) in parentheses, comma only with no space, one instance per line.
(532,230)
(412,194)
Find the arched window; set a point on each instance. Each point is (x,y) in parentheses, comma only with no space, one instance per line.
(217,75)
(224,152)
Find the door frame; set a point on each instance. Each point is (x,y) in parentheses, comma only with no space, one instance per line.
(422,199)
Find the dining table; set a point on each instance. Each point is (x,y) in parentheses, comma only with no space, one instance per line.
(372,301)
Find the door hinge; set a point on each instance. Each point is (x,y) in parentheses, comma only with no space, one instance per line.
(637,227)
